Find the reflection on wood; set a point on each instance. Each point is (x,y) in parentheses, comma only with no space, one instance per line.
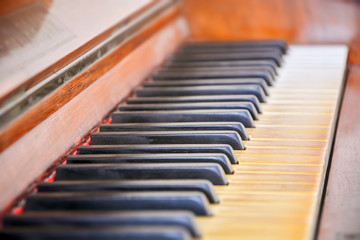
(298,21)
(341,216)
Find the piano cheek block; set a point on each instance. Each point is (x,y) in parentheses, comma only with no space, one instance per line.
(195,202)
(97,233)
(231,138)
(210,171)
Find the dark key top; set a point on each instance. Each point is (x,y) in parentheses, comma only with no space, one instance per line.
(227,115)
(218,158)
(160,148)
(178,65)
(229,70)
(195,202)
(192,106)
(280,44)
(169,137)
(186,75)
(200,185)
(272,55)
(92,219)
(189,99)
(96,233)
(209,82)
(202,90)
(178,126)
(210,171)
(238,50)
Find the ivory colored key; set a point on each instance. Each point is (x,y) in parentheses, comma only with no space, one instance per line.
(279,181)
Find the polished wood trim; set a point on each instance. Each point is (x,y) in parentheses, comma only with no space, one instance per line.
(70,118)
(7,6)
(297,21)
(71,56)
(55,101)
(340,215)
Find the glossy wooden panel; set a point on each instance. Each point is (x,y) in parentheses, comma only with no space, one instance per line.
(60,122)
(55,101)
(64,31)
(298,21)
(341,214)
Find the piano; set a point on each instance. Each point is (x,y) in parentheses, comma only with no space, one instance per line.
(169,119)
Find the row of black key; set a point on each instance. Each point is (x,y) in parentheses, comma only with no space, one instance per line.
(146,175)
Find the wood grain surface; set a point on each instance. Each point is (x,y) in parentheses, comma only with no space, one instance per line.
(32,52)
(297,21)
(341,211)
(55,101)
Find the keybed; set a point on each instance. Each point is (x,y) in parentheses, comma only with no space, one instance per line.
(277,186)
(237,134)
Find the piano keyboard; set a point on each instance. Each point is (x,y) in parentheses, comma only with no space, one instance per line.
(226,141)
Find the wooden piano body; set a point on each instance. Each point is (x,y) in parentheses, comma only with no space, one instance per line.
(97,61)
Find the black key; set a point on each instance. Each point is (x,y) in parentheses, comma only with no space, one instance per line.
(200,185)
(178,126)
(218,158)
(186,75)
(267,63)
(272,55)
(92,219)
(195,202)
(238,50)
(169,137)
(192,106)
(280,44)
(160,148)
(215,69)
(209,82)
(202,90)
(210,171)
(227,115)
(189,99)
(96,233)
